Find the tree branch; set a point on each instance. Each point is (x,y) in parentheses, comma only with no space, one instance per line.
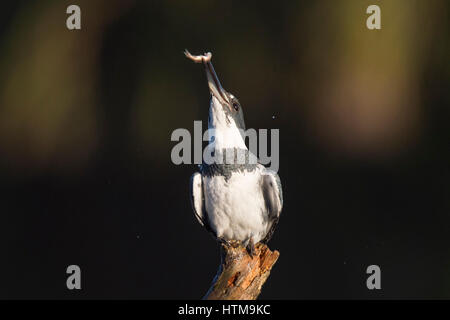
(241,277)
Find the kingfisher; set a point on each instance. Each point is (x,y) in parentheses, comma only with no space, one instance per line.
(235,201)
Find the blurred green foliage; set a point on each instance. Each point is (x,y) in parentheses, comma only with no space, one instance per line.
(355,91)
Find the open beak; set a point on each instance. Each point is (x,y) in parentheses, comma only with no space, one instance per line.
(214,84)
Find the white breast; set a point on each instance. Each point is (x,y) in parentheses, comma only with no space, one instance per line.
(235,206)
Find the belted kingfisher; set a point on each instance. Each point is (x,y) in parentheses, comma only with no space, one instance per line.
(233,201)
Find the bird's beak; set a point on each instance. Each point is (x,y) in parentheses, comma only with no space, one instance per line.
(214,84)
(213,81)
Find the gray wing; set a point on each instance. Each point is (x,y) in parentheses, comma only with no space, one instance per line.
(198,201)
(273,198)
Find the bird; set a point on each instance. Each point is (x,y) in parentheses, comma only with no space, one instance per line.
(235,202)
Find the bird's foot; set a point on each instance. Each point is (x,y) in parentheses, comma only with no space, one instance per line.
(251,248)
(229,243)
(233,243)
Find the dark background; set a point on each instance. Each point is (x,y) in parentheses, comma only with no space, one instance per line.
(86,116)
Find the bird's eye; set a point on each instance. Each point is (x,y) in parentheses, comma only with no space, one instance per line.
(235,106)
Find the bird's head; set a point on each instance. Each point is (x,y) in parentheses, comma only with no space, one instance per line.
(226,118)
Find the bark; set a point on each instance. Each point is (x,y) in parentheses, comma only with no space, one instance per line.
(240,276)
